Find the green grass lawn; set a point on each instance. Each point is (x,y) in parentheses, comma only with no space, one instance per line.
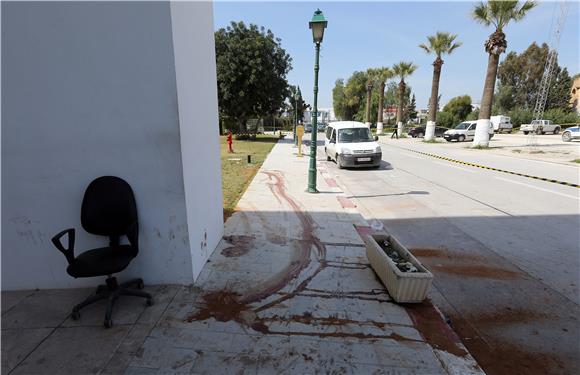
(237,174)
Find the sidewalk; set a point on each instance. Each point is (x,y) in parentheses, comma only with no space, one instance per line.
(288,290)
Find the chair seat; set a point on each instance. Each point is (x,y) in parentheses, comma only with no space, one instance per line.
(102,261)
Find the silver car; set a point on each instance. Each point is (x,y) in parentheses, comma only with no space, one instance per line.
(571,133)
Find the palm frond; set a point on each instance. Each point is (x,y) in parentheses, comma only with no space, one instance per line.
(424,47)
(524,9)
(441,43)
(480,13)
(499,13)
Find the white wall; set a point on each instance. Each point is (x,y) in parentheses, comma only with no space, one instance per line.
(198,126)
(91,89)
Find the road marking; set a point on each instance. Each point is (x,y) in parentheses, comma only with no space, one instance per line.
(490,168)
(538,188)
(453,166)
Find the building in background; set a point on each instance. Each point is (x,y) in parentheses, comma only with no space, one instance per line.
(325,115)
(109,88)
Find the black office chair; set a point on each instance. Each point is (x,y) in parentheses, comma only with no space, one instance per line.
(108,209)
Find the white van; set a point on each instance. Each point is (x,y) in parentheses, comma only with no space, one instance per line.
(351,144)
(501,123)
(464,132)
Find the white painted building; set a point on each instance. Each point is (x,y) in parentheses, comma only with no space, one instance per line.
(324,115)
(109,88)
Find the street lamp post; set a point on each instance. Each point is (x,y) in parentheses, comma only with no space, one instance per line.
(297,97)
(317,24)
(368,108)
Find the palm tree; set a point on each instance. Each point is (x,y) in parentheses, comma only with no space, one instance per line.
(381,76)
(402,70)
(439,44)
(497,13)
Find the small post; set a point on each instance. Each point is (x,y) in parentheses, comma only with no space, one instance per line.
(299,134)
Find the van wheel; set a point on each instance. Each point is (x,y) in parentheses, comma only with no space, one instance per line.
(526,133)
(339,163)
(557,130)
(461,138)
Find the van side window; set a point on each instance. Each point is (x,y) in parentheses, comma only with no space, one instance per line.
(472,127)
(328,132)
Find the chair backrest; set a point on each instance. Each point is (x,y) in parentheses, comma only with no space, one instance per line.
(108,207)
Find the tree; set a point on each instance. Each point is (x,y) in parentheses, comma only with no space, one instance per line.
(459,107)
(251,70)
(439,44)
(294,106)
(496,13)
(339,99)
(411,109)
(519,77)
(402,70)
(503,99)
(348,98)
(381,75)
(446,119)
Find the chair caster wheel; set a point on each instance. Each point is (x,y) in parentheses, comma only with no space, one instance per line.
(140,285)
(108,323)
(149,302)
(75,315)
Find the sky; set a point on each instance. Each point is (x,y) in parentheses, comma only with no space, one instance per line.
(362,35)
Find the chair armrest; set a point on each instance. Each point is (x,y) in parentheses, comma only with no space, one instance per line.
(133,235)
(68,252)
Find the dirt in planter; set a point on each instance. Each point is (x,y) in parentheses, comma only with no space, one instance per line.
(402,264)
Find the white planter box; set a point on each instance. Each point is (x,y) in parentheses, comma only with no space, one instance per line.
(402,286)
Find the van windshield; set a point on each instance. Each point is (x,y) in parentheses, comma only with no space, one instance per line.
(463,125)
(353,135)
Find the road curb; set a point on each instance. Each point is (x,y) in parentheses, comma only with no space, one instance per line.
(490,168)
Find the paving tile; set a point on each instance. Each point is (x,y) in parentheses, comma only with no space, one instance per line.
(44,309)
(12,298)
(225,363)
(18,343)
(162,296)
(134,370)
(128,348)
(154,353)
(127,310)
(187,338)
(74,350)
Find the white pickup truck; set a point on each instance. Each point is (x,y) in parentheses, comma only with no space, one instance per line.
(540,127)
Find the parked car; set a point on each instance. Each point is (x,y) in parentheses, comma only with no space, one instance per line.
(351,144)
(541,127)
(501,123)
(571,133)
(419,131)
(308,128)
(464,132)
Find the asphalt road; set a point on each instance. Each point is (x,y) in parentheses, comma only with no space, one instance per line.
(504,249)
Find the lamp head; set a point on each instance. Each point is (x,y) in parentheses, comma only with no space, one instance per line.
(318,24)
